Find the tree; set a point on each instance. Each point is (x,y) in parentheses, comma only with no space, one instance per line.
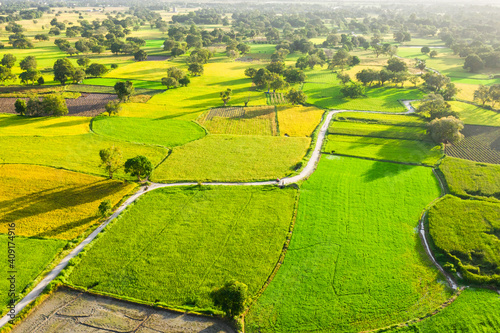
(111,160)
(104,208)
(367,76)
(124,89)
(54,105)
(113,107)
(341,59)
(344,78)
(243,48)
(396,65)
(353,90)
(20,106)
(278,83)
(425,50)
(170,82)
(482,94)
(28,63)
(414,79)
(449,91)
(434,106)
(83,62)
(231,298)
(296,96)
(6,74)
(8,60)
(184,81)
(195,69)
(139,166)
(433,54)
(63,70)
(293,75)
(444,130)
(226,95)
(78,75)
(473,63)
(421,65)
(31,75)
(96,70)
(176,73)
(383,76)
(140,55)
(250,72)
(435,82)
(302,63)
(494,94)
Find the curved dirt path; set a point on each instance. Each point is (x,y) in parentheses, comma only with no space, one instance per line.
(304,174)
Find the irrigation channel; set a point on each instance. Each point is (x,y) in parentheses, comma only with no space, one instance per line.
(304,174)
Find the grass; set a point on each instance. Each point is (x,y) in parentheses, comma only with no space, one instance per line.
(450,65)
(141,70)
(468,233)
(52,203)
(32,256)
(202,94)
(72,152)
(475,310)
(258,120)
(411,151)
(233,158)
(110,82)
(323,90)
(474,115)
(177,244)
(168,133)
(469,178)
(13,125)
(378,130)
(298,120)
(355,261)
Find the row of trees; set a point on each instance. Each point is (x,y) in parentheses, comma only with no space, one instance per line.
(49,105)
(112,161)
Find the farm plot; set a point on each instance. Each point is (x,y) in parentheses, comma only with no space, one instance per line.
(323,90)
(233,158)
(68,310)
(474,115)
(298,120)
(72,152)
(32,256)
(378,130)
(177,244)
(53,203)
(87,105)
(467,233)
(411,151)
(355,262)
(258,120)
(468,178)
(481,144)
(475,310)
(13,125)
(276,98)
(168,132)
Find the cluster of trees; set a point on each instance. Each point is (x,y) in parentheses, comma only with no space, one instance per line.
(175,77)
(396,72)
(445,125)
(202,16)
(485,94)
(427,50)
(112,161)
(49,105)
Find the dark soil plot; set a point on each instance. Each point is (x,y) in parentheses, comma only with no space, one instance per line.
(481,144)
(68,310)
(88,105)
(158,58)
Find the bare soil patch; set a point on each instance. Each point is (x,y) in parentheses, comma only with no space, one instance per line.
(68,310)
(87,105)
(158,57)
